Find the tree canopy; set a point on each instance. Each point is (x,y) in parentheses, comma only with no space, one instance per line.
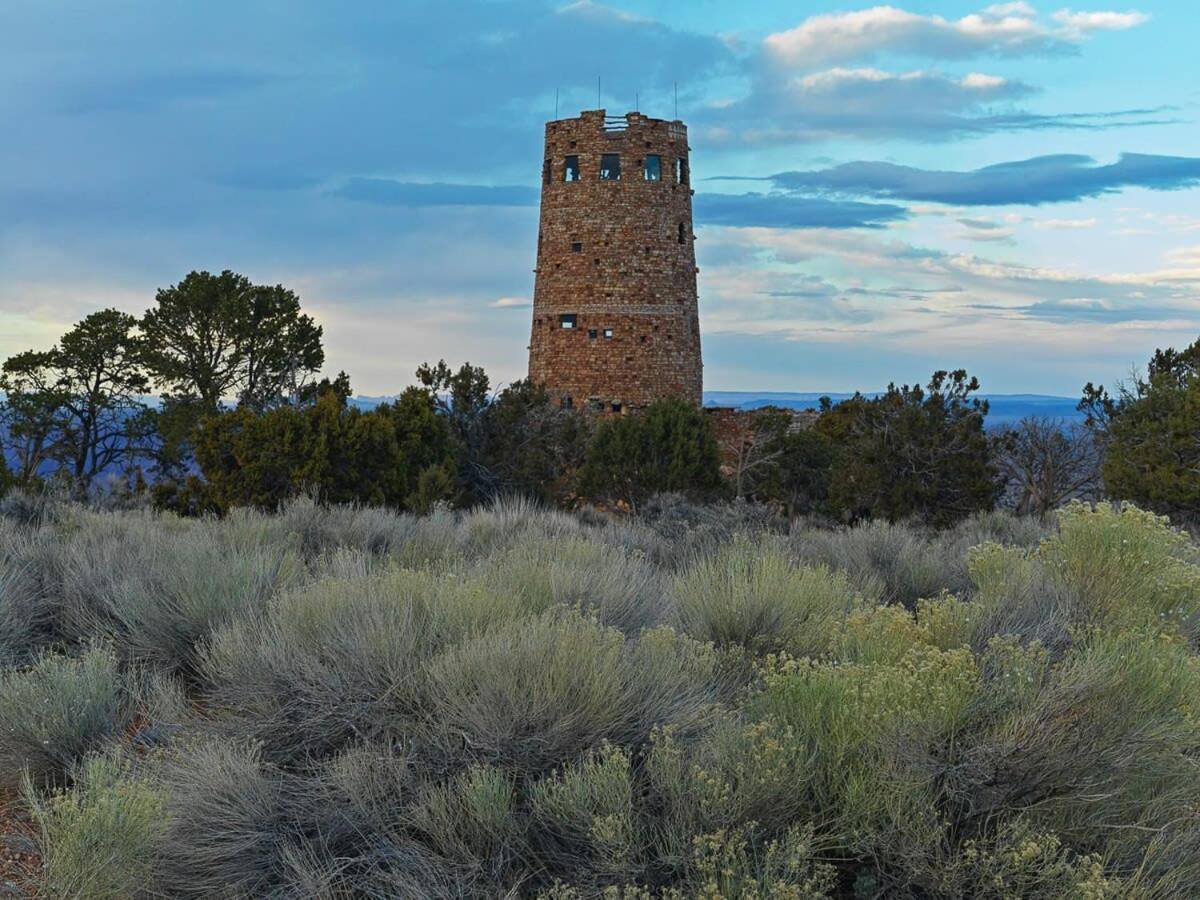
(80,403)
(668,447)
(213,337)
(1150,432)
(911,452)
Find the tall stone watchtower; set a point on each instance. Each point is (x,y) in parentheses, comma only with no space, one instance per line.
(615,323)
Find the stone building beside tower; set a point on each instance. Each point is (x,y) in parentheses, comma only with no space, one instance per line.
(615,318)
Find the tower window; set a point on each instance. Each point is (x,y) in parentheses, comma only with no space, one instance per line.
(546,172)
(566,320)
(610,167)
(616,407)
(654,168)
(681,171)
(568,402)
(592,334)
(682,233)
(577,247)
(608,334)
(571,169)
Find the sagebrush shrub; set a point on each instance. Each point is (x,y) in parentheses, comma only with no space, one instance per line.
(532,694)
(344,702)
(750,594)
(96,838)
(56,711)
(618,588)
(338,661)
(1125,568)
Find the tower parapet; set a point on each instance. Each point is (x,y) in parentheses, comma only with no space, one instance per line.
(615,313)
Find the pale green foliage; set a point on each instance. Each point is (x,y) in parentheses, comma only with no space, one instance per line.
(97,837)
(344,702)
(589,807)
(750,594)
(618,588)
(338,659)
(56,711)
(1020,861)
(1126,568)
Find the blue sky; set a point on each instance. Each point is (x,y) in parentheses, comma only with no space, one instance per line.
(881,190)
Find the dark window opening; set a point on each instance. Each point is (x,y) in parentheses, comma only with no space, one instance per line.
(616,407)
(573,145)
(610,167)
(682,233)
(568,402)
(546,169)
(592,333)
(576,247)
(566,320)
(571,169)
(654,168)
(642,339)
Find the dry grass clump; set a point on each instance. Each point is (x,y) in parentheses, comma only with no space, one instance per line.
(345,702)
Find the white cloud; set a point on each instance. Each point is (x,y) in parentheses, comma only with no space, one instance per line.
(898,296)
(1065,224)
(1002,29)
(1081,24)
(511,303)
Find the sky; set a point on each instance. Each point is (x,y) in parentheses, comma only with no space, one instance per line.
(881,191)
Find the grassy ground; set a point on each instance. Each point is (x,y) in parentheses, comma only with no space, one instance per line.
(513,702)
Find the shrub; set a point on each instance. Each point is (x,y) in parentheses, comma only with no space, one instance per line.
(1019,861)
(55,712)
(340,660)
(733,865)
(532,694)
(25,618)
(159,598)
(752,596)
(668,447)
(97,837)
(585,817)
(888,562)
(1019,597)
(472,820)
(618,589)
(1125,568)
(1111,737)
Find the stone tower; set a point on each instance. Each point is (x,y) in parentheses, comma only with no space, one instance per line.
(615,323)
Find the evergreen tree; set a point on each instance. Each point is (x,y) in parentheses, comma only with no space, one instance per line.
(79,405)
(668,447)
(213,337)
(911,452)
(1150,433)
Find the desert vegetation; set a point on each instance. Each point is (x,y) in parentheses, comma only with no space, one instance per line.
(341,701)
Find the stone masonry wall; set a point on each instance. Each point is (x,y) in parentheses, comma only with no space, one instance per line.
(618,256)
